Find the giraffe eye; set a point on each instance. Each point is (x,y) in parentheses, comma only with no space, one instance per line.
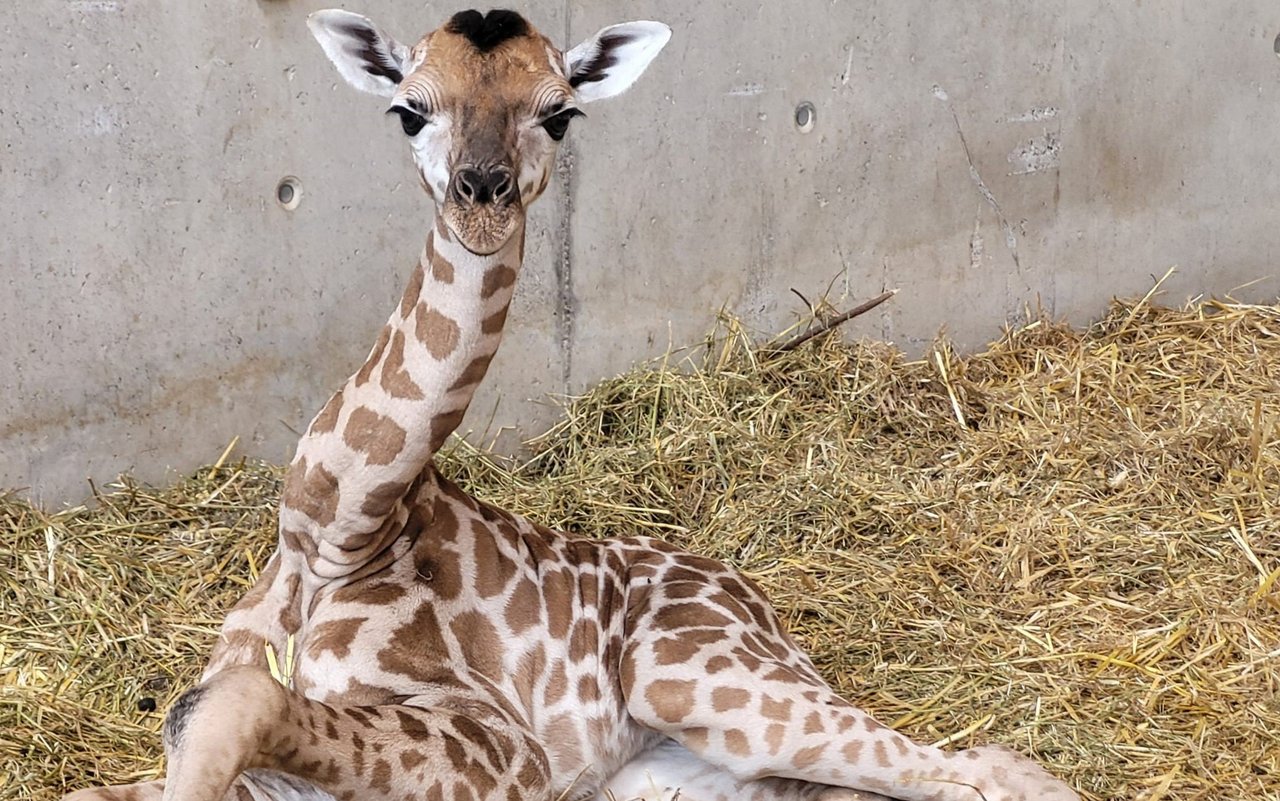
(410,120)
(557,125)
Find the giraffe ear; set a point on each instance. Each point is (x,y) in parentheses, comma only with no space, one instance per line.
(609,62)
(369,59)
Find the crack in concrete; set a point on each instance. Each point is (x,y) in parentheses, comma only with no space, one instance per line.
(1010,238)
(566,303)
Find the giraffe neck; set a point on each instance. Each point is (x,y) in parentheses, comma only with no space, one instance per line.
(346,489)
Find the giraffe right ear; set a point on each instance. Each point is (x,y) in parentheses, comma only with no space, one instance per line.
(369,59)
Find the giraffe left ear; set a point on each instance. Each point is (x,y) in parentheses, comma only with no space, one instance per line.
(609,62)
(369,59)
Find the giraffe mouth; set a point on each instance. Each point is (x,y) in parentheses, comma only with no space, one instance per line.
(483,229)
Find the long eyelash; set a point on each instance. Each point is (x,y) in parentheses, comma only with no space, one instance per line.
(411,121)
(557,125)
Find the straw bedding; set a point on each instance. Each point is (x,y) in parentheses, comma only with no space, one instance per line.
(1068,543)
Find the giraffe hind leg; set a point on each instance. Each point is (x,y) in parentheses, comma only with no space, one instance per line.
(707,664)
(670,772)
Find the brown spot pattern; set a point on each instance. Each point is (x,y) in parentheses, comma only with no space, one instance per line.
(688,615)
(882,754)
(773,737)
(312,491)
(473,373)
(813,724)
(585,640)
(383,498)
(327,420)
(443,425)
(773,709)
(736,742)
(806,757)
(496,278)
(479,640)
(411,759)
(414,647)
(437,332)
(396,380)
(679,649)
(523,609)
(494,569)
(375,356)
(291,612)
(557,685)
(695,739)
(718,663)
(494,323)
(411,292)
(378,594)
(378,437)
(441,268)
(334,636)
(724,699)
(671,699)
(381,776)
(783,675)
(529,673)
(557,588)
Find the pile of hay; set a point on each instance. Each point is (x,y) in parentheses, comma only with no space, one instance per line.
(1069,543)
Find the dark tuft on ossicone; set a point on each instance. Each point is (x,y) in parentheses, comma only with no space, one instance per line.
(487,31)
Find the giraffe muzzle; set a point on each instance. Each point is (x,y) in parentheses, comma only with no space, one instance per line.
(482,207)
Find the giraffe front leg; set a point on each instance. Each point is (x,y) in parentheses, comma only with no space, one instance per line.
(708,664)
(249,786)
(144,791)
(243,720)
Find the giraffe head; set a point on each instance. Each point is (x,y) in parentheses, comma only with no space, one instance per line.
(484,100)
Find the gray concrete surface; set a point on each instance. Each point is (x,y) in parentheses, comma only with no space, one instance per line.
(156,301)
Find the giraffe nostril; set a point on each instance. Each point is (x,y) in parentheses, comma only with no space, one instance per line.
(467,183)
(502,185)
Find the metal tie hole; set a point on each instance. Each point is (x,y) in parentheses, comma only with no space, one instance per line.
(289,192)
(806,116)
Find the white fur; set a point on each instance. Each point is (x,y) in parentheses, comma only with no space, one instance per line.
(644,41)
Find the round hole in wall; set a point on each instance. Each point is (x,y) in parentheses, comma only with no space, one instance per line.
(289,192)
(806,116)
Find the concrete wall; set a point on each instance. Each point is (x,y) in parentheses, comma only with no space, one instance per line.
(156,300)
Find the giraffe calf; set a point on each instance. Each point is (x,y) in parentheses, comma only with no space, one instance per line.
(451,651)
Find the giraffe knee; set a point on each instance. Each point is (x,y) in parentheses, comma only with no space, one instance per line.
(239,697)
(176,722)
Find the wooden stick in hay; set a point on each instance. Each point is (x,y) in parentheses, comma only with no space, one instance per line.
(827,325)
